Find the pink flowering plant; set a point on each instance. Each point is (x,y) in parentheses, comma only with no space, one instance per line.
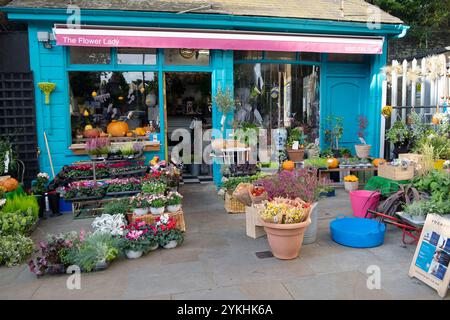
(302,183)
(98,146)
(138,236)
(140,201)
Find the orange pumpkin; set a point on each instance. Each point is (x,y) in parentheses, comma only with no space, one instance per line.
(10,184)
(288,165)
(376,162)
(332,163)
(117,128)
(91,133)
(129,134)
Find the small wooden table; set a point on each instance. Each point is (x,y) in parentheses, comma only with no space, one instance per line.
(325,173)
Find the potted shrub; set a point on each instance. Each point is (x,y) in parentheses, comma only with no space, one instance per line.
(38,189)
(285,222)
(157,203)
(295,145)
(362,150)
(173,201)
(168,235)
(140,204)
(14,249)
(136,241)
(351,182)
(399,134)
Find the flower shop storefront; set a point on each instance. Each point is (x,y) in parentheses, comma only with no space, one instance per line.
(134,77)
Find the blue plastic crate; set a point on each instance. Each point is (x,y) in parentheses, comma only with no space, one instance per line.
(357,232)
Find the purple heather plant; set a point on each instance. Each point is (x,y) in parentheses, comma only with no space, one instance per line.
(301,183)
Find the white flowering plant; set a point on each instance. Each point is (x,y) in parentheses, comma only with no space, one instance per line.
(111,224)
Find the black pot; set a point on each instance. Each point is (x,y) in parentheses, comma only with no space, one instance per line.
(53,199)
(400,148)
(41,201)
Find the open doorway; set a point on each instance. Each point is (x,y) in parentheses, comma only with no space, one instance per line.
(188,103)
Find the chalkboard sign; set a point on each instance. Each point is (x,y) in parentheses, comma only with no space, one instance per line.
(431,259)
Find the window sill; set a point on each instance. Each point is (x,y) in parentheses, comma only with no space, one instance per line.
(79,149)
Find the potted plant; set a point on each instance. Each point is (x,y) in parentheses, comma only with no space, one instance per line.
(333,133)
(38,189)
(135,241)
(98,148)
(416,210)
(285,222)
(154,187)
(111,224)
(346,153)
(168,235)
(173,201)
(140,204)
(351,182)
(362,150)
(295,144)
(399,134)
(157,203)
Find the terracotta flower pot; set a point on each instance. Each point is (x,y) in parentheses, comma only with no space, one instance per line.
(285,240)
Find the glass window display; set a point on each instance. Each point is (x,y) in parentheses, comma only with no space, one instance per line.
(136,56)
(101,102)
(88,55)
(187,57)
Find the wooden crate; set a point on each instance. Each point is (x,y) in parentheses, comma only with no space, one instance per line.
(232,205)
(399,173)
(253,222)
(421,165)
(150,218)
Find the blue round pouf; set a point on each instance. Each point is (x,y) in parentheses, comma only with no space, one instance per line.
(357,232)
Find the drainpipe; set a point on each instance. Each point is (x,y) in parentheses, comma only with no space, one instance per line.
(403,33)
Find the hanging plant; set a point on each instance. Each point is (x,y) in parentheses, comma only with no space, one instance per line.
(47,88)
(225,102)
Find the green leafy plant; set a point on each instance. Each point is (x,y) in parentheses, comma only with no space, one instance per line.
(173,199)
(295,134)
(19,214)
(140,201)
(40,185)
(95,249)
(14,249)
(316,163)
(436,183)
(231,183)
(154,187)
(334,130)
(224,101)
(116,206)
(157,201)
(399,134)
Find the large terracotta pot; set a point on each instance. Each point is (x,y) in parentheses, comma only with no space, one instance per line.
(285,240)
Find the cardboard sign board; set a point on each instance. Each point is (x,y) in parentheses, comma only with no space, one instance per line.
(431,259)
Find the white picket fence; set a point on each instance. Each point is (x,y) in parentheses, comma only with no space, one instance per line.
(420,85)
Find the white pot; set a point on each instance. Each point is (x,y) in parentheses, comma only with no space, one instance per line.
(172,244)
(173,208)
(157,211)
(133,254)
(156,246)
(351,185)
(140,211)
(311,232)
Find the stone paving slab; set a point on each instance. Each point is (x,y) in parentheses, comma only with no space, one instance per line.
(218,261)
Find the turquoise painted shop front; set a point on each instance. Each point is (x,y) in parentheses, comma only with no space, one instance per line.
(346,89)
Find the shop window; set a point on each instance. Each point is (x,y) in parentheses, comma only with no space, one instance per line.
(248,55)
(280,55)
(136,56)
(274,96)
(310,56)
(342,57)
(186,57)
(98,98)
(90,55)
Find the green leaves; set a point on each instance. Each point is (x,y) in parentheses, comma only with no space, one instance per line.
(14,249)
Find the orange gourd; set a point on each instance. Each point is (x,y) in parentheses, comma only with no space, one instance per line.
(129,134)
(376,162)
(288,165)
(332,163)
(10,184)
(117,128)
(91,133)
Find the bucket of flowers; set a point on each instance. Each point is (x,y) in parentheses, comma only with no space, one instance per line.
(140,204)
(168,235)
(173,201)
(157,203)
(137,239)
(351,183)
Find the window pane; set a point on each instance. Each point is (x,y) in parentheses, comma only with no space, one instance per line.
(186,57)
(108,96)
(136,56)
(248,55)
(90,55)
(260,88)
(342,57)
(278,55)
(310,56)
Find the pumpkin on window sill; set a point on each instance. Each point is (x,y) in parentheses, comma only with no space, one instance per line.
(117,128)
(332,163)
(91,133)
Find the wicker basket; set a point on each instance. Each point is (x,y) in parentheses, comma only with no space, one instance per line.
(399,173)
(363,150)
(232,205)
(150,218)
(296,155)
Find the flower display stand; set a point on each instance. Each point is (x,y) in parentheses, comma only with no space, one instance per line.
(253,223)
(150,218)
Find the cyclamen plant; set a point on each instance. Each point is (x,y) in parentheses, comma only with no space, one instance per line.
(157,201)
(140,201)
(173,198)
(138,236)
(167,231)
(154,187)
(39,186)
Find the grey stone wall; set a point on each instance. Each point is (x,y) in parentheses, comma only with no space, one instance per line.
(411,46)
